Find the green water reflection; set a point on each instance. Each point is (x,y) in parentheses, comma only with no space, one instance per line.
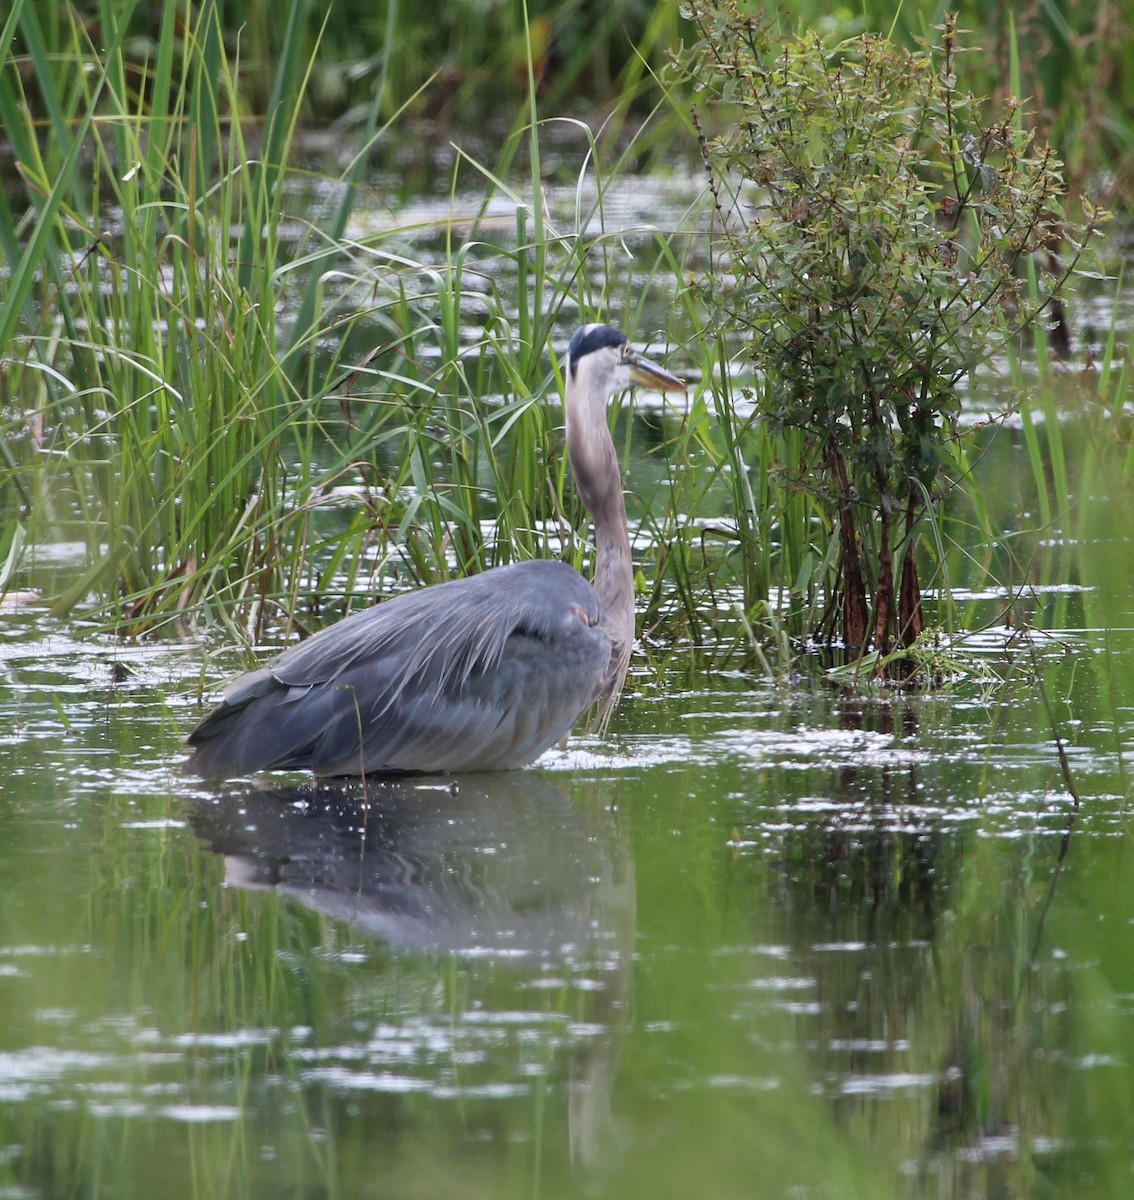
(759,942)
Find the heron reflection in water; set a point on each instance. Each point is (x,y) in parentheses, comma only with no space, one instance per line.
(481,673)
(505,872)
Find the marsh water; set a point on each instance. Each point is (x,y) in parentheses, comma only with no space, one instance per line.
(761,940)
(774,941)
(766,938)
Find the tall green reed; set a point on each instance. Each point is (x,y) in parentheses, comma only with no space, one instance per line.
(201,384)
(247,410)
(169,402)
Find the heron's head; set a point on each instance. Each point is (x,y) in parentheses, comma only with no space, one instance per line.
(601,362)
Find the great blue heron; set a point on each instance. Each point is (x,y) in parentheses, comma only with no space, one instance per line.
(481,673)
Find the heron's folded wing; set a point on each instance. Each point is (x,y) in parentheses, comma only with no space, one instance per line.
(432,720)
(483,671)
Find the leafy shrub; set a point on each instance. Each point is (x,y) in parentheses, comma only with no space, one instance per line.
(878,234)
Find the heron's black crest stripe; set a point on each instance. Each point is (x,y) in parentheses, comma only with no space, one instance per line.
(591,338)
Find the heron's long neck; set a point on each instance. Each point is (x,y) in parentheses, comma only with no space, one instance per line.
(598,479)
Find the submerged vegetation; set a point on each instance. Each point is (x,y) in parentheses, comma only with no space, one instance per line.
(255,393)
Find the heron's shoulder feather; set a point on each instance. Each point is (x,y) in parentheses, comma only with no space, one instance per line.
(448,630)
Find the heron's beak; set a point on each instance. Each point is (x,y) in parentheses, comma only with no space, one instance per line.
(648,374)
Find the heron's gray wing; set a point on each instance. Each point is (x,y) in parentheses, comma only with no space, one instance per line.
(482,672)
(460,626)
(431,719)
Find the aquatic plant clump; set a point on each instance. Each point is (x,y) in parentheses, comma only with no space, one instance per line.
(877,235)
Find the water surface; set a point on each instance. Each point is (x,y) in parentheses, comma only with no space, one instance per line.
(762,940)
